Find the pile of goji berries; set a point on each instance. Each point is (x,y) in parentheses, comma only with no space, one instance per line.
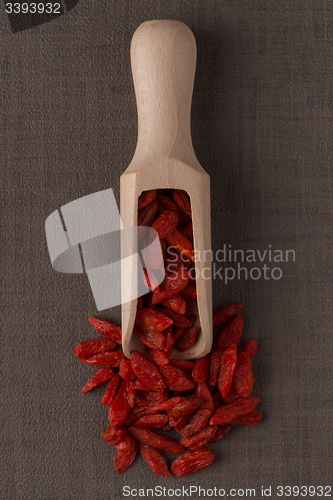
(201,400)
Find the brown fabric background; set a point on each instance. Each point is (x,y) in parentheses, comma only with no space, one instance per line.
(261,124)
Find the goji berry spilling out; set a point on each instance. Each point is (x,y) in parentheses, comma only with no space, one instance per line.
(201,400)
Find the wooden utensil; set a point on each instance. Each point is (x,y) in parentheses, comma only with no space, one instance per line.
(163,59)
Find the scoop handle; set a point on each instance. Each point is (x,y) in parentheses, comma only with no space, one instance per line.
(163,59)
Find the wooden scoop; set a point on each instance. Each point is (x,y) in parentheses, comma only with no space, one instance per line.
(163,59)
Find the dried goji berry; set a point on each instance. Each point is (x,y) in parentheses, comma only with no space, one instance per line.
(152,320)
(146,215)
(227,369)
(181,200)
(175,303)
(187,230)
(158,356)
(147,197)
(107,328)
(185,407)
(191,461)
(154,459)
(178,319)
(166,204)
(126,371)
(166,405)
(153,421)
(187,339)
(178,240)
(217,400)
(250,347)
(132,395)
(148,399)
(111,390)
(176,379)
(89,348)
(107,359)
(149,279)
(156,440)
(98,378)
(252,419)
(154,340)
(200,369)
(223,314)
(214,368)
(231,396)
(230,333)
(165,223)
(147,371)
(120,406)
(243,377)
(126,452)
(202,391)
(231,411)
(220,433)
(113,435)
(199,439)
(182,364)
(171,284)
(189,292)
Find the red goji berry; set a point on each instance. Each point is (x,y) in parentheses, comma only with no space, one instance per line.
(200,369)
(178,240)
(214,368)
(179,197)
(187,339)
(201,438)
(166,204)
(166,405)
(165,223)
(154,459)
(220,433)
(187,230)
(230,333)
(153,421)
(191,461)
(231,411)
(252,419)
(189,292)
(98,378)
(147,371)
(151,320)
(182,364)
(178,319)
(126,371)
(202,391)
(113,435)
(171,284)
(107,359)
(185,407)
(111,390)
(154,340)
(147,197)
(156,440)
(158,356)
(126,452)
(146,215)
(227,369)
(197,422)
(223,314)
(89,348)
(250,347)
(120,407)
(107,328)
(176,379)
(243,377)
(175,303)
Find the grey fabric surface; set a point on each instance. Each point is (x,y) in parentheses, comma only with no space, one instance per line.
(261,126)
